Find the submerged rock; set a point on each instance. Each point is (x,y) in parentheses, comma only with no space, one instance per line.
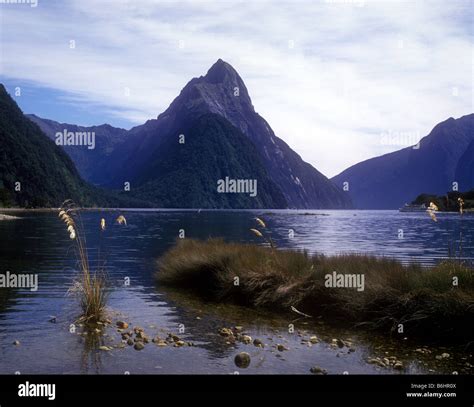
(175,338)
(376,361)
(226,332)
(318,370)
(242,360)
(122,324)
(142,336)
(246,339)
(139,346)
(258,343)
(281,347)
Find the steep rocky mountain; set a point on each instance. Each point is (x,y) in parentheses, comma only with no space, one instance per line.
(222,92)
(97,165)
(186,175)
(443,157)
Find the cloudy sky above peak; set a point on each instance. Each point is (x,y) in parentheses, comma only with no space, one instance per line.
(339,80)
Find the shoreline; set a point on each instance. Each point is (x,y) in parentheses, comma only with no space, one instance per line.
(153,210)
(393,299)
(268,210)
(8,217)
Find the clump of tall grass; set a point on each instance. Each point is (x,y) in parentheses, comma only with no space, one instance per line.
(264,235)
(91,285)
(424,300)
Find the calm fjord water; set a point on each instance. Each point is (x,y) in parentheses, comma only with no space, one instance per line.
(38,243)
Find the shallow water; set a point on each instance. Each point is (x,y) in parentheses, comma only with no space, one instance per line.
(38,243)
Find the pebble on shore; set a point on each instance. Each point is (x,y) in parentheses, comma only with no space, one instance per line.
(242,360)
(122,324)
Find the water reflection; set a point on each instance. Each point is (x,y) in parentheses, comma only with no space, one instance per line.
(91,358)
(37,243)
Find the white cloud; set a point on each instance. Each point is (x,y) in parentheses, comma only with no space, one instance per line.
(354,72)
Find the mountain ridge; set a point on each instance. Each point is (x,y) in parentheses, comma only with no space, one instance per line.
(390,180)
(223,92)
(97,165)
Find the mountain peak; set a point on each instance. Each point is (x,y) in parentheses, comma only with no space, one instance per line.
(221,91)
(221,71)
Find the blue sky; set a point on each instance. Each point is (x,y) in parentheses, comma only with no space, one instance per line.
(339,80)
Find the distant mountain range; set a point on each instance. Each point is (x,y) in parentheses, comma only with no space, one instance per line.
(35,172)
(237,143)
(97,165)
(443,157)
(210,134)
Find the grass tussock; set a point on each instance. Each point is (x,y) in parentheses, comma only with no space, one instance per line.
(91,284)
(424,300)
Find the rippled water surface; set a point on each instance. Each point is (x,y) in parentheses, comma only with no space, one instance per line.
(38,243)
